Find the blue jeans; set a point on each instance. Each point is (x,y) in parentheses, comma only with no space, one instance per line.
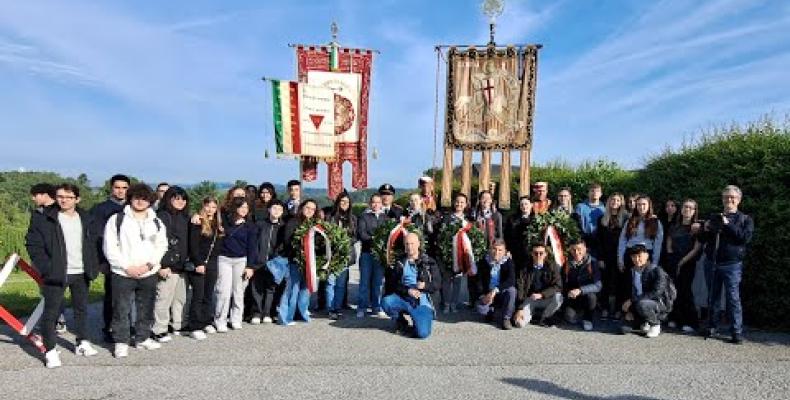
(336,290)
(730,276)
(371,276)
(421,312)
(295,296)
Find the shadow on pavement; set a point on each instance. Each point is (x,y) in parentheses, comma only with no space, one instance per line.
(549,388)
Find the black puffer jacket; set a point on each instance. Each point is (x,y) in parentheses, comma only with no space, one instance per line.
(427,271)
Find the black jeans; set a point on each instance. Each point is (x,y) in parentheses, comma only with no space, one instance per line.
(196,306)
(144,292)
(53,304)
(263,291)
(583,304)
(107,302)
(206,309)
(505,304)
(684,311)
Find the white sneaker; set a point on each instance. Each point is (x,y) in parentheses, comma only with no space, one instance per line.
(653,331)
(688,329)
(587,325)
(85,349)
(149,344)
(382,314)
(360,314)
(645,327)
(198,335)
(53,358)
(267,320)
(121,350)
(210,329)
(163,338)
(290,323)
(222,328)
(235,326)
(255,321)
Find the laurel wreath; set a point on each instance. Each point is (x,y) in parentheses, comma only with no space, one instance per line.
(339,240)
(381,235)
(566,226)
(445,241)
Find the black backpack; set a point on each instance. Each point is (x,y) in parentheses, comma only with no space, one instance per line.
(670,291)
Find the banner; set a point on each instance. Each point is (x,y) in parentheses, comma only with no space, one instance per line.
(346,88)
(491,98)
(304,119)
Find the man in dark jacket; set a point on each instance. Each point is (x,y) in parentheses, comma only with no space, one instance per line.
(497,283)
(62,246)
(371,272)
(648,302)
(581,282)
(391,210)
(264,281)
(726,236)
(102,212)
(539,288)
(418,277)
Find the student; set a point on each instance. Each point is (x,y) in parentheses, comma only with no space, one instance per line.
(388,206)
(648,303)
(43,196)
(581,282)
(119,185)
(296,296)
(342,215)
(134,242)
(266,195)
(683,250)
(497,286)
(235,264)
(589,212)
(452,282)
(205,242)
(565,201)
(515,228)
(643,227)
(418,277)
(371,272)
(420,216)
(161,189)
(294,189)
(489,221)
(171,290)
(270,246)
(60,242)
(539,287)
(615,281)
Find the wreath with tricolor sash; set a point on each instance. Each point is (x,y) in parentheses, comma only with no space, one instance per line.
(388,240)
(461,246)
(322,248)
(556,229)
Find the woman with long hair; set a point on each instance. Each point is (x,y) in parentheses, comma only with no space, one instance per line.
(335,288)
(296,296)
(644,228)
(205,241)
(608,239)
(420,216)
(235,264)
(235,192)
(514,228)
(683,250)
(266,195)
(453,282)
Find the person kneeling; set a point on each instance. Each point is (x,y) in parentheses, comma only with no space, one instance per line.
(418,277)
(581,282)
(539,288)
(496,281)
(646,307)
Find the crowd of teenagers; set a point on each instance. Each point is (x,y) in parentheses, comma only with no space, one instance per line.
(170,272)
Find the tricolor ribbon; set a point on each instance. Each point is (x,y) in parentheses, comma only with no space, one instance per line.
(308,245)
(396,232)
(552,237)
(25,329)
(463,254)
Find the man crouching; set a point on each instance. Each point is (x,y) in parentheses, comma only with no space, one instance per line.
(647,305)
(417,277)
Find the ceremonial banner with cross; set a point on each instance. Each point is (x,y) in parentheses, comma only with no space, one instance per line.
(491,98)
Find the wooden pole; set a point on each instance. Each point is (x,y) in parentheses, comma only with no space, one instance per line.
(466,172)
(447,176)
(485,172)
(504,181)
(524,173)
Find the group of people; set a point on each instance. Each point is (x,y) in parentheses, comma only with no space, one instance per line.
(169,272)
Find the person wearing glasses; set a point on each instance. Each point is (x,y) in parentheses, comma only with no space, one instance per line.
(102,212)
(60,242)
(539,287)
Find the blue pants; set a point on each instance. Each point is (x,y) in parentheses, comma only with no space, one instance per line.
(730,276)
(336,290)
(371,276)
(421,312)
(294,297)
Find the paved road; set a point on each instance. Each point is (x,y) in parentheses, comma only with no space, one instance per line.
(357,359)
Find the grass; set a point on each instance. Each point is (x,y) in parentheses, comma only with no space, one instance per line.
(20,294)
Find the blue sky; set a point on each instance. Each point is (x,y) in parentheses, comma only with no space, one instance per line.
(171,90)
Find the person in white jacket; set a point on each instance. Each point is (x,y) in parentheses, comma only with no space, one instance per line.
(134,246)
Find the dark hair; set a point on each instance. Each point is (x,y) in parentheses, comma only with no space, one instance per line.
(276,202)
(162,184)
(172,192)
(457,195)
(336,207)
(251,187)
(43,188)
(594,185)
(576,242)
(479,207)
(140,191)
(233,209)
(301,209)
(229,197)
(537,244)
(650,220)
(120,177)
(68,187)
(267,186)
(370,199)
(293,182)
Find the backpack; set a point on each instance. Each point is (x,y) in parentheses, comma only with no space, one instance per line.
(670,291)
